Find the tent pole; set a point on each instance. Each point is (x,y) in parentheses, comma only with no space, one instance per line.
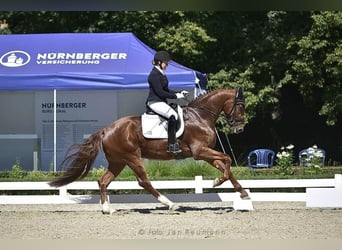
(54,130)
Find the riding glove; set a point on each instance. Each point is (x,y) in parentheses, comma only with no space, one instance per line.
(184,92)
(180,95)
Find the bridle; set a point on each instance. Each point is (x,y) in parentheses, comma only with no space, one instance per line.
(231,116)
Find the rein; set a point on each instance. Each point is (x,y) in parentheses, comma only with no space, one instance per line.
(230,116)
(213,114)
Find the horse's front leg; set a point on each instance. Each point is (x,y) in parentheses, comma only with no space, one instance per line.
(224,167)
(222,162)
(243,194)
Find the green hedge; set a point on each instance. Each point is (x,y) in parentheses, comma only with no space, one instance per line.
(178,170)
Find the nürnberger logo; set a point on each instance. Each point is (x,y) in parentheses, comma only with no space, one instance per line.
(78,58)
(15,58)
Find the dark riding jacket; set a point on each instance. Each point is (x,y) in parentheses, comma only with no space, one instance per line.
(159,87)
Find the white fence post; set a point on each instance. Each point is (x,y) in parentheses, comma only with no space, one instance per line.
(338,181)
(198,184)
(63,191)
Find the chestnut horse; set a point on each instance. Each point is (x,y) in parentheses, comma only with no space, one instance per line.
(123,144)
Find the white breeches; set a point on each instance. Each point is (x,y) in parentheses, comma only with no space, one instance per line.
(163,109)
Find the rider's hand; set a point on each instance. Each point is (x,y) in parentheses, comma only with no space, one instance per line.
(184,92)
(180,95)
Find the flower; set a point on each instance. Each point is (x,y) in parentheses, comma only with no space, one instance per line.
(285,154)
(285,159)
(314,158)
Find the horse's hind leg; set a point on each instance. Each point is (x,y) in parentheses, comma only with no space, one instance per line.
(144,182)
(112,172)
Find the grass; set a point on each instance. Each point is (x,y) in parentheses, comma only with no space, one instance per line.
(178,170)
(166,170)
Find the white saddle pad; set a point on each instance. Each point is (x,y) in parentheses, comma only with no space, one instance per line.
(155,127)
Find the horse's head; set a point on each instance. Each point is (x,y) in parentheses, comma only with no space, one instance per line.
(235,112)
(211,104)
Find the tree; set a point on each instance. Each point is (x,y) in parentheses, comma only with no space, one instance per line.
(186,41)
(274,56)
(317,65)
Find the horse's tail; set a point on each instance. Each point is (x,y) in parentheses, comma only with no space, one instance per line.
(79,160)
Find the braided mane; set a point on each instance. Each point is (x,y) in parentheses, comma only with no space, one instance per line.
(201,97)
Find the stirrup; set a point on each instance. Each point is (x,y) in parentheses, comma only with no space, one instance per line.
(174,148)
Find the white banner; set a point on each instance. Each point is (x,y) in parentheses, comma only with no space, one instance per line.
(79,113)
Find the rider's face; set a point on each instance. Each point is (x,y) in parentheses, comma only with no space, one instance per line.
(164,65)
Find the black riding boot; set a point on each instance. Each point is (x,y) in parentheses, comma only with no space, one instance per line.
(173,145)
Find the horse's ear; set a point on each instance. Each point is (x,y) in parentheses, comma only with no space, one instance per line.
(239,95)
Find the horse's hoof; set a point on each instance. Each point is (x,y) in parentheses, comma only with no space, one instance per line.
(172,207)
(244,196)
(106,208)
(109,212)
(216,182)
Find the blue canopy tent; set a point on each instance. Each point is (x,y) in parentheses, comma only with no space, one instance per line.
(81,61)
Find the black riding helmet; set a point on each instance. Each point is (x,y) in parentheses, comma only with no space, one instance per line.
(161,56)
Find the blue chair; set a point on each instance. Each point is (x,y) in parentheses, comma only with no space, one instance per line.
(309,153)
(261,158)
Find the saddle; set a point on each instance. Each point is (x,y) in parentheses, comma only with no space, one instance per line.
(154,126)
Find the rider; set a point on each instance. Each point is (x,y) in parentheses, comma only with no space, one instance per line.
(159,93)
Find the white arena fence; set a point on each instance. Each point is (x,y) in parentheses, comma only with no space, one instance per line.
(318,192)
